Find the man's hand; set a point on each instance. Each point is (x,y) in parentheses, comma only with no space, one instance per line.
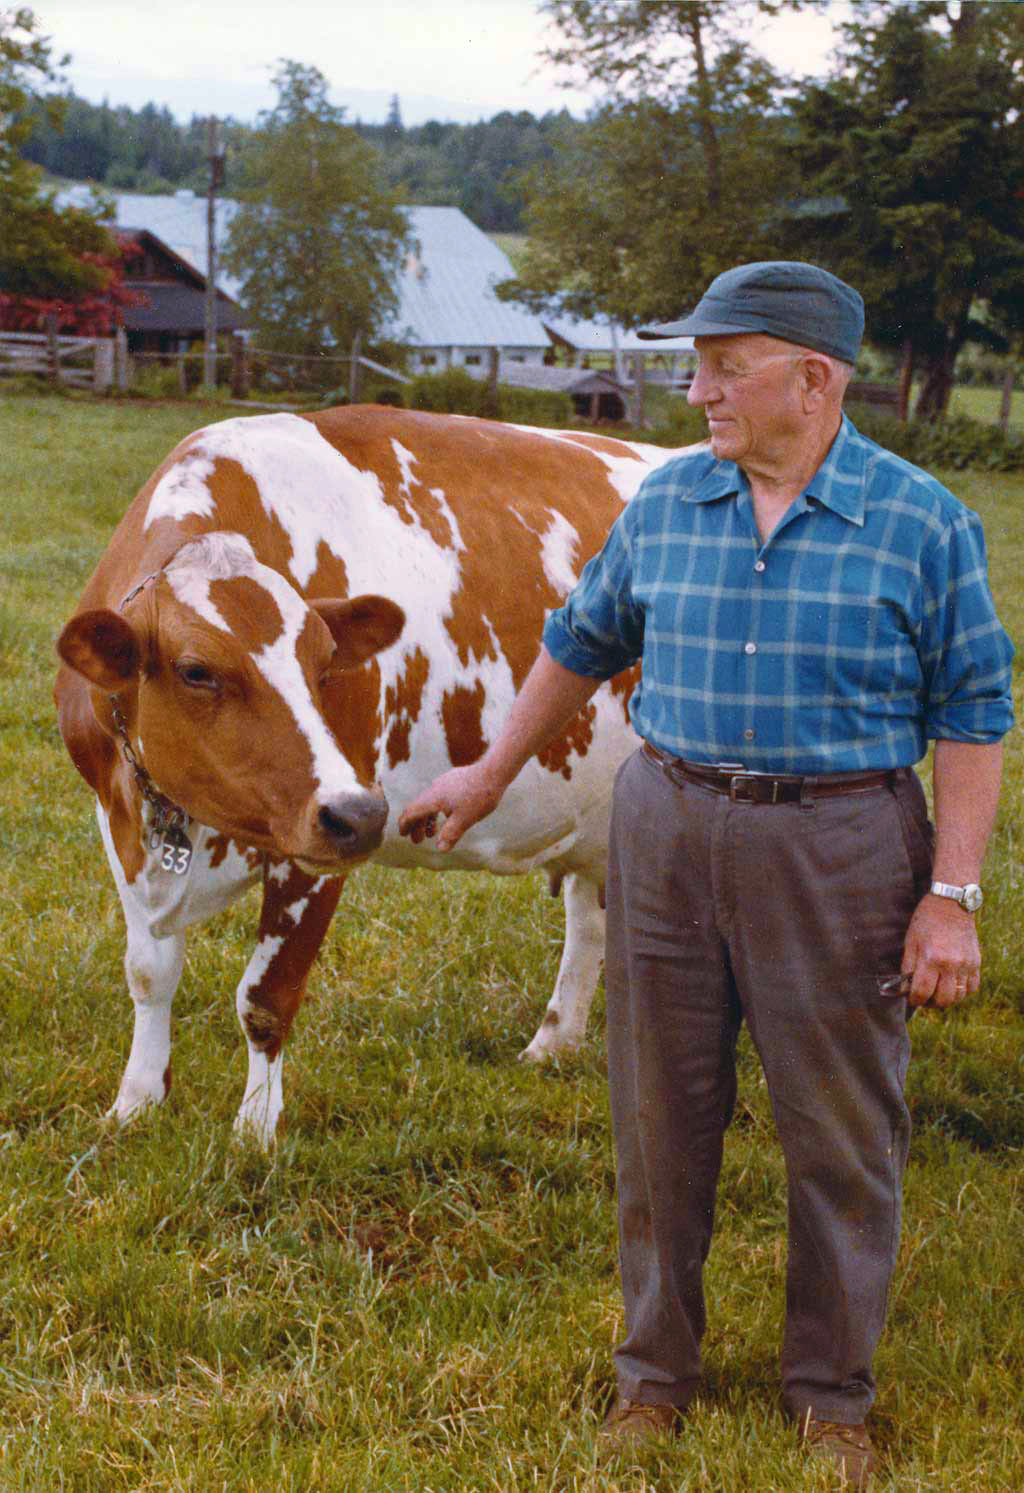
(464,795)
(941,953)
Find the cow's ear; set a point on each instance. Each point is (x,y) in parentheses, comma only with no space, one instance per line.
(360,627)
(101,646)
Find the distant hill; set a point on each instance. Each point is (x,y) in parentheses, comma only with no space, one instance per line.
(475,167)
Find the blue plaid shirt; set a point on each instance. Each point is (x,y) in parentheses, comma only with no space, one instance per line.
(863,627)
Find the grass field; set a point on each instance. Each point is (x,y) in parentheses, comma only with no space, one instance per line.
(983,404)
(418,1290)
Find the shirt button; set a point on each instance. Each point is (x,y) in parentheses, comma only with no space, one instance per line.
(748,735)
(750,648)
(759,566)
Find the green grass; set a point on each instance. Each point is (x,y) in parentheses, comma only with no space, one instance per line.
(418,1290)
(983,404)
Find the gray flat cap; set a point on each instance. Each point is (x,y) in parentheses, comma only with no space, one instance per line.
(783,297)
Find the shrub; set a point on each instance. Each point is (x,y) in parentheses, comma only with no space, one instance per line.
(453,392)
(153,381)
(536,407)
(956,442)
(456,392)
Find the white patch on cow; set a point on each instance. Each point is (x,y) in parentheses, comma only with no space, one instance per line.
(625,473)
(214,557)
(405,460)
(441,499)
(263,957)
(184,489)
(559,553)
(279,871)
(224,556)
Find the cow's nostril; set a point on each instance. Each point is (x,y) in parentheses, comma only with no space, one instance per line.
(337,826)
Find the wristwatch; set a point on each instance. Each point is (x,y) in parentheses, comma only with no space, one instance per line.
(969,896)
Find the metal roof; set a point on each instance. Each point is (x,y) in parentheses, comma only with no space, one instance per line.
(446,292)
(560,380)
(605,337)
(178,308)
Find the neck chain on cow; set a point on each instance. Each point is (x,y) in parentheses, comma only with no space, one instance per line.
(169,825)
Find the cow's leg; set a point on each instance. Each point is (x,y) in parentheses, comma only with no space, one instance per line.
(152,968)
(565,1020)
(297,910)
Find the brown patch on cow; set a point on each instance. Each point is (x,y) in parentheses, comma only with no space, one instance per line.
(605,443)
(330,578)
(273,1002)
(462,715)
(503,486)
(217,847)
(623,686)
(249,610)
(402,703)
(575,738)
(351,707)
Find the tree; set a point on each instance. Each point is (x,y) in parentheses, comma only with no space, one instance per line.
(912,163)
(656,194)
(318,240)
(663,52)
(51,258)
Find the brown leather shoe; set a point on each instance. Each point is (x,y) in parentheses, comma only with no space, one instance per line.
(630,1424)
(847,1447)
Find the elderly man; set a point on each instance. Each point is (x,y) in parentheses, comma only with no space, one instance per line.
(809,610)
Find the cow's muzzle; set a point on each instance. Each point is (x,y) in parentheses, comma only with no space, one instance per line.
(352,824)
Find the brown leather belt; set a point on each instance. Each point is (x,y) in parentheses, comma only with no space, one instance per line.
(765,787)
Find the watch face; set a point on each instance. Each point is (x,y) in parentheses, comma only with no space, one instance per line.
(972,898)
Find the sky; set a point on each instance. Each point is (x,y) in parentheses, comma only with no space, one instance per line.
(460,60)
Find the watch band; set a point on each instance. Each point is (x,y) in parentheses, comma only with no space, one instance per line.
(969,896)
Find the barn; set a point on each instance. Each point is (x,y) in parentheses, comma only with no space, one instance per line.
(174,309)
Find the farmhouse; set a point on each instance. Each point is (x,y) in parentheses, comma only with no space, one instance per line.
(174,310)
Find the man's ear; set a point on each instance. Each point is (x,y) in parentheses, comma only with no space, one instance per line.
(360,627)
(102,647)
(818,377)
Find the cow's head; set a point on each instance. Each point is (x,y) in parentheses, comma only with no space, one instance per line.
(221,669)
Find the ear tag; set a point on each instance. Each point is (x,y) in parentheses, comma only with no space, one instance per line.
(175,850)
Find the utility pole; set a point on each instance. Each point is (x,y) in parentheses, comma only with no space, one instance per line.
(215,158)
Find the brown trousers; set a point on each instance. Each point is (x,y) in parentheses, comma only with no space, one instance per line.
(787,916)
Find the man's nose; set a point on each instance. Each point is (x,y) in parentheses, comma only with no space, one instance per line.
(697,392)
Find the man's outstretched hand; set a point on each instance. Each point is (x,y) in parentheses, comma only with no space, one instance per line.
(463,795)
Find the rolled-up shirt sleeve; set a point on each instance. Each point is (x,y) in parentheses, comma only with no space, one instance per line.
(965,652)
(599,631)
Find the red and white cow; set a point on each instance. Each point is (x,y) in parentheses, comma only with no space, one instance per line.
(299,623)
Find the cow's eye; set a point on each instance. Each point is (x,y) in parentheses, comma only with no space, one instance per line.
(196,675)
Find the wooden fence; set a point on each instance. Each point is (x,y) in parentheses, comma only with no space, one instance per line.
(97,363)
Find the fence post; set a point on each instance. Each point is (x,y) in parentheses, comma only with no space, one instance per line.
(121,360)
(639,389)
(493,398)
(103,365)
(239,367)
(52,352)
(353,376)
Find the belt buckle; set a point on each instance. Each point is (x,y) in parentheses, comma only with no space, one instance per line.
(747,780)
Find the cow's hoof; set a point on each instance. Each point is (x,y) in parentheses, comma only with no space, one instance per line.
(132,1100)
(255,1130)
(535,1053)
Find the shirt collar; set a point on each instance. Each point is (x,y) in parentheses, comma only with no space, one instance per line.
(837,484)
